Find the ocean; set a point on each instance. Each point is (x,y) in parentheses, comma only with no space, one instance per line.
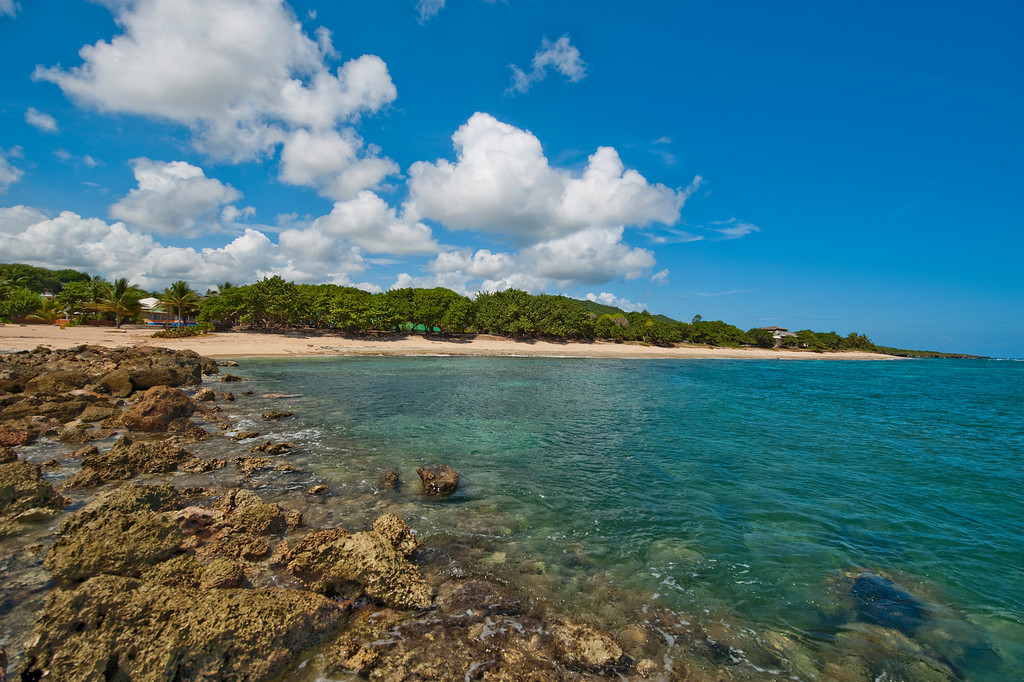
(808,516)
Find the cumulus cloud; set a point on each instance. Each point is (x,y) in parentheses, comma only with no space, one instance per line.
(332,162)
(560,55)
(502,183)
(428,9)
(369,223)
(40,121)
(241,74)
(660,277)
(115,250)
(175,198)
(608,298)
(9,173)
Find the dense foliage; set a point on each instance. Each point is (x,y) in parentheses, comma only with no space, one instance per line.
(273,303)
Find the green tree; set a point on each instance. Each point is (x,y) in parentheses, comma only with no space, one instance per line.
(19,302)
(179,298)
(122,299)
(226,308)
(50,310)
(74,297)
(762,338)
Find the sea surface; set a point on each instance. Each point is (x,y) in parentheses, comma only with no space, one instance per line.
(819,510)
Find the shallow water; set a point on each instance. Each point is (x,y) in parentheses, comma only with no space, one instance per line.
(743,494)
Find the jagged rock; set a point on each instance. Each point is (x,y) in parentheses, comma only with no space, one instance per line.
(389,479)
(117,628)
(251,465)
(584,644)
(98,412)
(118,383)
(205,395)
(227,363)
(151,366)
(244,510)
(7,454)
(231,377)
(78,433)
(245,435)
(397,532)
(61,408)
(56,382)
(22,488)
(50,464)
(221,574)
(229,396)
(157,408)
(82,452)
(275,414)
(438,479)
(320,489)
(122,532)
(183,570)
(197,465)
(187,430)
(12,437)
(272,448)
(347,566)
(127,458)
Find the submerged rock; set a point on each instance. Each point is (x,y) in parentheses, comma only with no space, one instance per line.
(438,479)
(389,479)
(116,628)
(25,495)
(584,644)
(880,601)
(157,408)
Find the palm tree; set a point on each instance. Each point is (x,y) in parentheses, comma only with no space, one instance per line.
(49,311)
(180,298)
(122,299)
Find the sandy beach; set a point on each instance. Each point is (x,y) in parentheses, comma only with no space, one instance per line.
(242,343)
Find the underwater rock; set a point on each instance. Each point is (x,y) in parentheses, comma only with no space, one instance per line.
(187,431)
(232,377)
(584,644)
(227,363)
(245,435)
(341,565)
(116,628)
(251,465)
(438,479)
(880,601)
(122,532)
(272,448)
(320,489)
(23,489)
(389,479)
(157,408)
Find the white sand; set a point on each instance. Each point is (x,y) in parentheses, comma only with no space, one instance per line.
(311,343)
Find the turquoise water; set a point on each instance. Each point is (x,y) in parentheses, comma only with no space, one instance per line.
(745,495)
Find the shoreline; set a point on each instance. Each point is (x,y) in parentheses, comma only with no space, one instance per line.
(314,343)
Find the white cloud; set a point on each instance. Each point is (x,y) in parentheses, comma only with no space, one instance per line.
(559,55)
(115,250)
(9,7)
(369,223)
(9,173)
(502,183)
(174,198)
(590,256)
(660,277)
(241,74)
(40,120)
(734,229)
(331,162)
(608,298)
(428,9)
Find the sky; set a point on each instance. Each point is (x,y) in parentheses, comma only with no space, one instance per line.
(846,166)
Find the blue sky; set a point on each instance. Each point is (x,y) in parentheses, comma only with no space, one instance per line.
(834,166)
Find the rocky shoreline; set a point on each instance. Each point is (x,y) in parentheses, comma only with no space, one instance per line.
(140,540)
(155,582)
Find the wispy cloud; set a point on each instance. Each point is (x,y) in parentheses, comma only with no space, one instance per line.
(734,229)
(41,121)
(560,55)
(9,7)
(732,292)
(428,9)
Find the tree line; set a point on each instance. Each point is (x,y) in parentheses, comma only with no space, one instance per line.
(273,303)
